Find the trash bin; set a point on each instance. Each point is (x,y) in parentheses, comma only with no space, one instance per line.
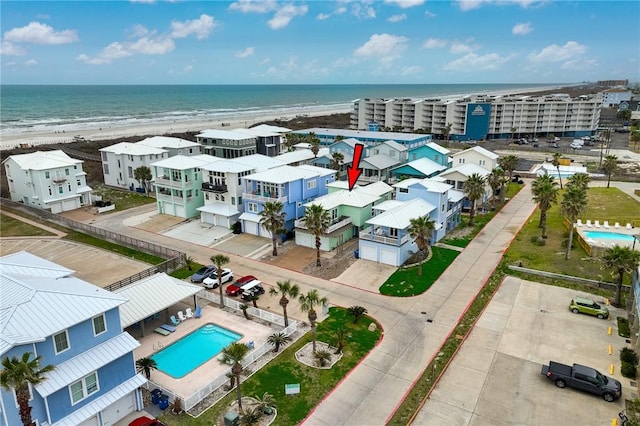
(356,254)
(163,402)
(231,419)
(155,396)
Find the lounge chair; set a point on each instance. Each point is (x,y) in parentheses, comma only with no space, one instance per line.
(617,225)
(579,222)
(174,321)
(589,225)
(188,313)
(596,224)
(181,316)
(606,224)
(629,226)
(162,331)
(198,311)
(168,327)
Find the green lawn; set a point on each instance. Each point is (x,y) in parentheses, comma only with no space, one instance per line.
(123,199)
(116,248)
(10,227)
(284,369)
(406,282)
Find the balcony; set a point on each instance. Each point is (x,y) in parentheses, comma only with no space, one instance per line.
(59,179)
(212,187)
(378,236)
(336,224)
(165,181)
(263,198)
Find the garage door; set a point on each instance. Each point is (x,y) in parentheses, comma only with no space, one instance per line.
(180,211)
(56,208)
(305,240)
(69,205)
(250,227)
(369,253)
(388,257)
(118,410)
(93,421)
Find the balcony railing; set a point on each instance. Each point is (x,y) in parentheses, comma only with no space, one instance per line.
(212,187)
(162,181)
(366,234)
(263,198)
(341,222)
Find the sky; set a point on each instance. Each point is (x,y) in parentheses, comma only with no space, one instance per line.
(318,42)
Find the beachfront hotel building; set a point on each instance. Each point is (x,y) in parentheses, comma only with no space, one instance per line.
(482,117)
(367,137)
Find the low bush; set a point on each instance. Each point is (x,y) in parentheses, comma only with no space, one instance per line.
(629,355)
(623,327)
(628,370)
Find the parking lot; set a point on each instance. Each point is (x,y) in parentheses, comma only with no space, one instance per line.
(495,377)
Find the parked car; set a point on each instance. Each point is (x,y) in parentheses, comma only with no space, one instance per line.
(202,273)
(212,280)
(581,305)
(235,288)
(583,378)
(554,145)
(251,289)
(146,421)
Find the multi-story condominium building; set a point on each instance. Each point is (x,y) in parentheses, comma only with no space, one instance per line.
(175,146)
(615,96)
(368,138)
(226,143)
(75,327)
(49,180)
(267,142)
(483,116)
(120,161)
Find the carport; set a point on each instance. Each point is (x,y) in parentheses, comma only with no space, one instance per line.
(152,295)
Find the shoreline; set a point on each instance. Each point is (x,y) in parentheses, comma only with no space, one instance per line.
(224,122)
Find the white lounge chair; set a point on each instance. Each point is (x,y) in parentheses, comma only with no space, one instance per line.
(188,313)
(589,225)
(629,226)
(606,224)
(181,316)
(617,225)
(596,223)
(579,222)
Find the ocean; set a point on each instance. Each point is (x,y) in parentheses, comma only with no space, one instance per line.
(55,108)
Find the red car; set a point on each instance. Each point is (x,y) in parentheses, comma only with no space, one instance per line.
(145,421)
(235,288)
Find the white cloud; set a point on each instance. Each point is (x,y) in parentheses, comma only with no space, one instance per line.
(522,29)
(284,15)
(434,43)
(323,16)
(265,61)
(555,53)
(31,62)
(113,51)
(466,5)
(250,6)
(473,62)
(410,70)
(458,48)
(429,14)
(384,47)
(397,18)
(405,4)
(470,4)
(201,27)
(188,68)
(245,53)
(37,33)
(143,1)
(149,46)
(10,49)
(363,10)
(580,64)
(117,50)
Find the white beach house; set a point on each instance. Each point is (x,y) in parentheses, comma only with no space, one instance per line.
(120,161)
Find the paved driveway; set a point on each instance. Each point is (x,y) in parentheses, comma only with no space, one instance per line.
(495,377)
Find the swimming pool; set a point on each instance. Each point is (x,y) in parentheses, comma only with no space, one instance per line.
(603,235)
(182,357)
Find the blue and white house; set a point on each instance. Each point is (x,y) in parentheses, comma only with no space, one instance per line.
(458,175)
(74,326)
(292,186)
(433,152)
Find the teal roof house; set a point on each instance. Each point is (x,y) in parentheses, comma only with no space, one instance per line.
(433,152)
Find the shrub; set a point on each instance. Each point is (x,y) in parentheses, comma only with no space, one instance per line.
(534,238)
(623,327)
(628,370)
(629,355)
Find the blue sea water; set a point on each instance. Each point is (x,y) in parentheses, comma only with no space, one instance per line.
(50,108)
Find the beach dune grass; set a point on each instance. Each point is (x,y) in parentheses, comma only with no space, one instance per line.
(10,227)
(123,199)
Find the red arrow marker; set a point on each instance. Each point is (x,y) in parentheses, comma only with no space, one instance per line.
(353,171)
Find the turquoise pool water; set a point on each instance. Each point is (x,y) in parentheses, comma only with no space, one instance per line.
(601,235)
(182,357)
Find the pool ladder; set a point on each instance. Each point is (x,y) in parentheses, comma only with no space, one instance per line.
(157,348)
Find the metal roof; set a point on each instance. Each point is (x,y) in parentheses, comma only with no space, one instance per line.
(379,161)
(256,132)
(466,170)
(283,174)
(185,162)
(251,217)
(218,207)
(80,365)
(259,162)
(44,160)
(167,142)
(227,165)
(129,148)
(430,184)
(224,134)
(438,148)
(388,205)
(455,195)
(479,150)
(378,188)
(424,165)
(400,217)
(395,145)
(152,295)
(269,128)
(300,155)
(355,198)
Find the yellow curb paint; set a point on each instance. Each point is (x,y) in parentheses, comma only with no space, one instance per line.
(609,330)
(610,349)
(606,301)
(614,422)
(611,369)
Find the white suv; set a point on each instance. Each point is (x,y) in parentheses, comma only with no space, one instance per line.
(213,282)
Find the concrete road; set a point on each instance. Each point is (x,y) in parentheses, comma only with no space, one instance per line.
(495,377)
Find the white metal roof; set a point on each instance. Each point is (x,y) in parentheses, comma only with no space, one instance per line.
(282,174)
(320,171)
(349,141)
(218,207)
(256,132)
(151,295)
(395,145)
(379,161)
(167,142)
(44,160)
(259,162)
(269,128)
(299,155)
(90,360)
(355,198)
(378,188)
(400,217)
(342,184)
(466,170)
(224,134)
(431,185)
(185,162)
(425,166)
(479,150)
(129,148)
(388,205)
(455,195)
(228,165)
(251,217)
(438,148)
(99,404)
(62,299)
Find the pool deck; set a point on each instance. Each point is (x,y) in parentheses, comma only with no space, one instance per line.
(606,243)
(187,385)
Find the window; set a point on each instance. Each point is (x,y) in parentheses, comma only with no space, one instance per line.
(460,160)
(60,189)
(69,187)
(66,172)
(393,232)
(233,201)
(50,192)
(83,388)
(436,158)
(404,190)
(253,207)
(61,342)
(47,175)
(105,169)
(482,162)
(99,325)
(130,171)
(311,184)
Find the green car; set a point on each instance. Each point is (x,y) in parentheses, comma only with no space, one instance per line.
(588,306)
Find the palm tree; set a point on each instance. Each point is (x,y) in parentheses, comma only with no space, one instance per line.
(609,166)
(474,190)
(284,289)
(574,202)
(341,333)
(145,365)
(315,144)
(545,193)
(337,160)
(446,131)
(143,175)
(20,373)
(243,308)
(508,163)
(220,260)
(234,354)
(556,163)
(495,179)
(580,179)
(317,221)
(421,230)
(620,260)
(250,417)
(356,312)
(513,132)
(273,220)
(266,403)
(308,302)
(322,357)
(277,340)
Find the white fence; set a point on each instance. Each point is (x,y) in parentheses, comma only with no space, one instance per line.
(253,356)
